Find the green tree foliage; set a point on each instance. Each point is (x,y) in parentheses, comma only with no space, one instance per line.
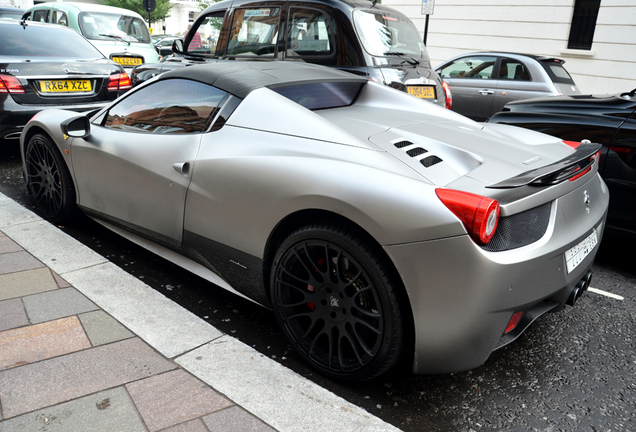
(159,14)
(204,4)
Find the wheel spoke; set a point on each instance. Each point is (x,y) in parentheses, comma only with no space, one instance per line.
(329,302)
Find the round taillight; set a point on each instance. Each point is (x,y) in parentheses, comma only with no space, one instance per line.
(479,214)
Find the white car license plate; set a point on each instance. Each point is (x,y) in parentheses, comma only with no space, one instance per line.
(576,255)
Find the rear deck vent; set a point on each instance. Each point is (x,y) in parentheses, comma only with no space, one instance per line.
(403,144)
(416,151)
(430,161)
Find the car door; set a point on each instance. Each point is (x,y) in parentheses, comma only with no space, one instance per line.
(619,172)
(473,83)
(135,167)
(515,82)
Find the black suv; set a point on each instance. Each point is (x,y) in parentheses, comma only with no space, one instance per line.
(360,37)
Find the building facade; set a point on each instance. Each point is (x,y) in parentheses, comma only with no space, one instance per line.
(600,53)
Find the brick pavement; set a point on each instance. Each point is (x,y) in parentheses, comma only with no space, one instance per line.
(67,365)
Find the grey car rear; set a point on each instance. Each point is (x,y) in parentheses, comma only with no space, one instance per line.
(482,83)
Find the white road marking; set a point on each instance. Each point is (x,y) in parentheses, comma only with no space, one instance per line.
(605,293)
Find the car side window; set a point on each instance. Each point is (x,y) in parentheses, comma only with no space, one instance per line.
(173,106)
(60,18)
(206,34)
(513,70)
(310,33)
(40,15)
(254,32)
(478,67)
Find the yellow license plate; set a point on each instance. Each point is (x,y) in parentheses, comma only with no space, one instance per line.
(66,86)
(423,92)
(128,61)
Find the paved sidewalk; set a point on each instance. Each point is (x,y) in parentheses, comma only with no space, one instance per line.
(86,347)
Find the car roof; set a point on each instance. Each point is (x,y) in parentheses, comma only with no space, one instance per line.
(241,78)
(510,54)
(84,7)
(339,4)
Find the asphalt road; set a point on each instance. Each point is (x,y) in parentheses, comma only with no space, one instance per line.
(574,370)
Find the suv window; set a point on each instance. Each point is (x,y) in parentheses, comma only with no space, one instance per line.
(311,33)
(210,27)
(254,32)
(477,67)
(167,107)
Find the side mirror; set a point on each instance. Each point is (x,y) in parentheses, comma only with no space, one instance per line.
(177,46)
(76,127)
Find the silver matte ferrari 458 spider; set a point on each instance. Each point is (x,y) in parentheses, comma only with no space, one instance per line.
(371,223)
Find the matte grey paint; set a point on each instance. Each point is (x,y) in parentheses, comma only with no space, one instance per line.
(274,158)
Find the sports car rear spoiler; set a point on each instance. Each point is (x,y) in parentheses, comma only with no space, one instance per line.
(573,165)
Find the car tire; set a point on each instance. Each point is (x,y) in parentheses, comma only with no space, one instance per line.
(337,301)
(48,179)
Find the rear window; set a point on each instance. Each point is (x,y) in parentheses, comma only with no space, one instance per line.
(45,41)
(108,26)
(315,96)
(557,72)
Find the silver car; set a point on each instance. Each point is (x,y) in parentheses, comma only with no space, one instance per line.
(482,83)
(372,224)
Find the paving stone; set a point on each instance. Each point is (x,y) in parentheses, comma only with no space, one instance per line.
(25,283)
(26,345)
(191,426)
(107,411)
(101,328)
(235,419)
(7,245)
(18,261)
(172,398)
(56,304)
(12,315)
(60,280)
(61,379)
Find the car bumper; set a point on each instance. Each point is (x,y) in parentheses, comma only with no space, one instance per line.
(463,297)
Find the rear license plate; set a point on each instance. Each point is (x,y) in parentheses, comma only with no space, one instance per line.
(422,92)
(66,86)
(128,61)
(576,255)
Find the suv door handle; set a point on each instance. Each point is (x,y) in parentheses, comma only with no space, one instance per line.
(486,92)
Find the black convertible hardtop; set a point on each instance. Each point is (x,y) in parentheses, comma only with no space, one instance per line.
(242,78)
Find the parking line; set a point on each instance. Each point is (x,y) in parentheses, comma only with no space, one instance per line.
(606,294)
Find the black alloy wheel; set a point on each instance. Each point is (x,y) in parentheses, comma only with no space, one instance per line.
(336,302)
(49,180)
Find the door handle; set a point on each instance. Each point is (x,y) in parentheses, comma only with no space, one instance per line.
(486,92)
(182,168)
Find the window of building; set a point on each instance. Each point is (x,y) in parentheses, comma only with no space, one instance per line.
(583,24)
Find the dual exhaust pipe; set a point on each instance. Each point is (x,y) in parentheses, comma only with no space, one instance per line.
(579,289)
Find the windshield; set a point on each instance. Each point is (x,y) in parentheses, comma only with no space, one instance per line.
(44,41)
(108,26)
(385,34)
